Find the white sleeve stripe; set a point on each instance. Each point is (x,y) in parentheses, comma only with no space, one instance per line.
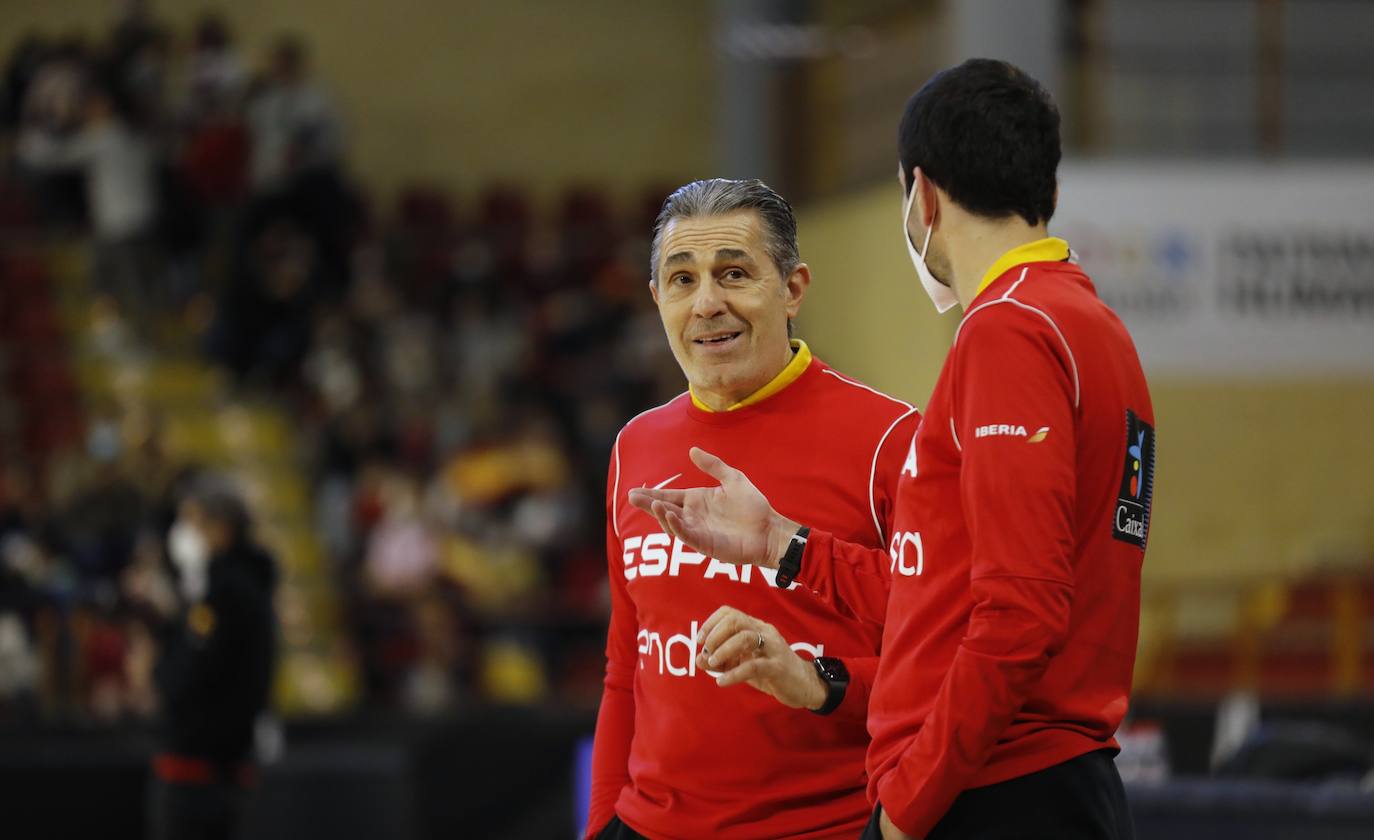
(1007,298)
(846,380)
(1067,349)
(873,475)
(615,491)
(1018,282)
(957,445)
(615,451)
(959,329)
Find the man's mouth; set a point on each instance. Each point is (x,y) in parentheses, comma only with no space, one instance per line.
(716,339)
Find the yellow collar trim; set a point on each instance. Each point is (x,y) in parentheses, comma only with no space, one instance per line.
(801,360)
(1049,249)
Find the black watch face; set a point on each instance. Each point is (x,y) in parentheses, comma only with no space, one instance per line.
(833,669)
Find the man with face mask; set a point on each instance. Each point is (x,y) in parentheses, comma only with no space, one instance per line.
(1023,506)
(216,669)
(683,748)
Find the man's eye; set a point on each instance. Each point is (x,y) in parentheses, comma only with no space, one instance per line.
(680,279)
(735,274)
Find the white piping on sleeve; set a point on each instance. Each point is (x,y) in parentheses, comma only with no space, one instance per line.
(1067,349)
(1007,298)
(615,491)
(856,384)
(1018,282)
(615,451)
(873,474)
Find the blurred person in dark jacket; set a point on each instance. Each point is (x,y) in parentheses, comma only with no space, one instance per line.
(216,670)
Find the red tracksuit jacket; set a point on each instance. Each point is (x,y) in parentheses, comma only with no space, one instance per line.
(1015,552)
(676,756)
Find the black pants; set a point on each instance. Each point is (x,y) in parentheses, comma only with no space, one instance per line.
(209,811)
(617,830)
(1081,799)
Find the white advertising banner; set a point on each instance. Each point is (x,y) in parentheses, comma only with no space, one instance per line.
(1231,269)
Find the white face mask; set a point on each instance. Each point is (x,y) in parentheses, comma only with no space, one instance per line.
(191,555)
(941,295)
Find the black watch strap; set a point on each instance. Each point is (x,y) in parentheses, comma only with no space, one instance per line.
(836,679)
(790,564)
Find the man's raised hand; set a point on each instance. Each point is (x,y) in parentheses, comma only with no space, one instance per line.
(733,522)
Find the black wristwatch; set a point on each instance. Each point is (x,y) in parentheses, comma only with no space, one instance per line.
(836,679)
(790,564)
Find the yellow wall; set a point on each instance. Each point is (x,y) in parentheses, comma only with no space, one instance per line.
(542,91)
(865,312)
(1254,478)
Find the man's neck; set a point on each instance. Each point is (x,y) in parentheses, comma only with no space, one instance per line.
(717,400)
(981,244)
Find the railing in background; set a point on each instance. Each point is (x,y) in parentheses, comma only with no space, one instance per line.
(1229,77)
(1306,638)
(1173,78)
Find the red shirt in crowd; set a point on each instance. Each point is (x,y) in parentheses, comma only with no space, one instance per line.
(677,756)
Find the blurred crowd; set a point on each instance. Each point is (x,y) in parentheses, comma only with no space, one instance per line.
(465,394)
(455,371)
(84,594)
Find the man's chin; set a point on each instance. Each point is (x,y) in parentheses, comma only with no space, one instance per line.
(718,378)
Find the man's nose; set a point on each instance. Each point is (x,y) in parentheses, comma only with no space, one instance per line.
(709,300)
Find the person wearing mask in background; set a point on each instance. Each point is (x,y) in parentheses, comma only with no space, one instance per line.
(215,674)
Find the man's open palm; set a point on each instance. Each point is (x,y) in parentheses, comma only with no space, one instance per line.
(733,522)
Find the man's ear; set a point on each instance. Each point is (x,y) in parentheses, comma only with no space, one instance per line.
(927,197)
(795,286)
(653,290)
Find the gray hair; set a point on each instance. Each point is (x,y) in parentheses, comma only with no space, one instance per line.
(718,196)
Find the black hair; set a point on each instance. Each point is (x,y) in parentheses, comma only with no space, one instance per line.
(221,502)
(988,134)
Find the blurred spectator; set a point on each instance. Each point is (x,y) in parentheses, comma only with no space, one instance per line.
(103,648)
(216,671)
(51,102)
(119,168)
(136,66)
(441,668)
(216,155)
(262,333)
(297,184)
(52,99)
(18,664)
(216,75)
(100,523)
(487,345)
(295,128)
(22,570)
(401,555)
(215,158)
(24,63)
